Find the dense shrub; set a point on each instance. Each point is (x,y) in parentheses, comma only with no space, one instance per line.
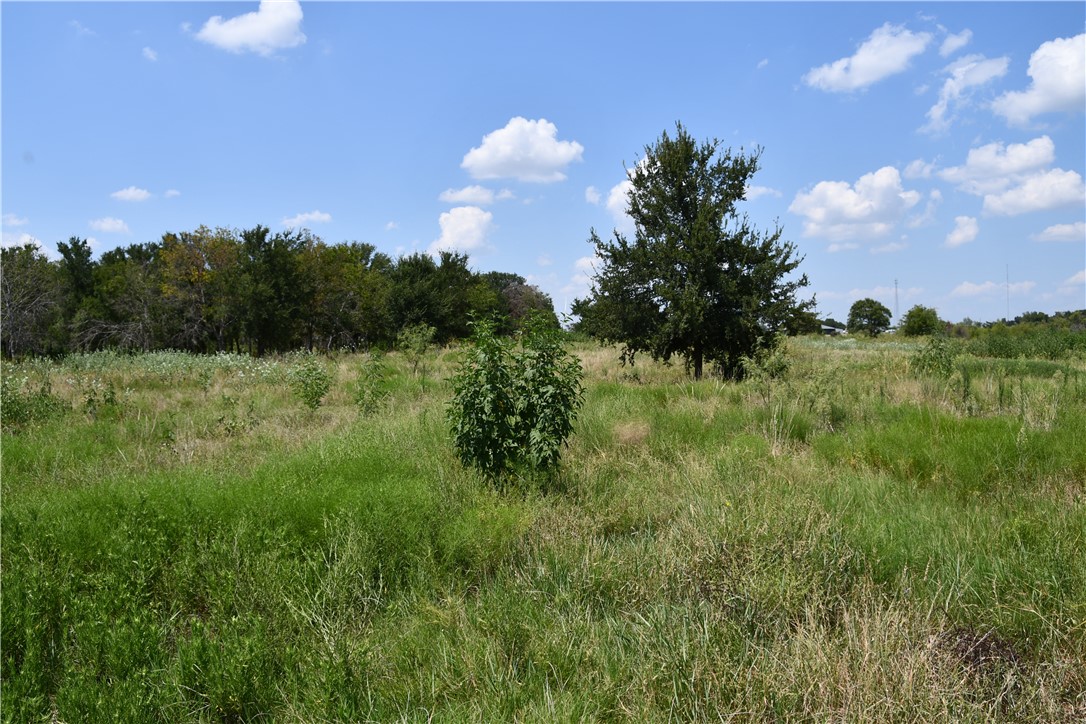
(311,382)
(513,409)
(935,358)
(1027,340)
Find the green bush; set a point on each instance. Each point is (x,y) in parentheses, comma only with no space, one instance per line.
(513,409)
(547,392)
(935,358)
(310,381)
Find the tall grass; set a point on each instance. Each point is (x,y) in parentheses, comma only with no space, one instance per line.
(852,541)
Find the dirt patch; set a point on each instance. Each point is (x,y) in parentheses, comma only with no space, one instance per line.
(982,653)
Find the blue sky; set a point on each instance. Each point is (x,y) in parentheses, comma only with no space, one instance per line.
(938,145)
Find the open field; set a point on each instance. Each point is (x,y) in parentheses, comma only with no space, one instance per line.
(183,539)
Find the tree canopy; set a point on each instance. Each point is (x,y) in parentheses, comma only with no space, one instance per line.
(697,279)
(868,316)
(921,320)
(224,289)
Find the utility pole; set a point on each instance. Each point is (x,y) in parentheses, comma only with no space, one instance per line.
(1008,317)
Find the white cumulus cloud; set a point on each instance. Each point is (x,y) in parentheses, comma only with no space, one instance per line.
(755,192)
(993,167)
(525,150)
(870,208)
(842,246)
(892,247)
(275,25)
(935,197)
(970,289)
(1074,279)
(1048,190)
(618,203)
(172,193)
(150,54)
(887,51)
(587,264)
(109,225)
(13,220)
(1058,72)
(592,195)
(963,74)
(309,217)
(463,228)
(1063,232)
(580,283)
(81,29)
(478,195)
(919,169)
(965,230)
(955,42)
(9,240)
(131,194)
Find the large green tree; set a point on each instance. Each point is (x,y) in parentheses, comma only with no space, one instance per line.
(868,316)
(275,290)
(697,279)
(921,320)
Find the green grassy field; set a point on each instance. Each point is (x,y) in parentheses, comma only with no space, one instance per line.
(184,540)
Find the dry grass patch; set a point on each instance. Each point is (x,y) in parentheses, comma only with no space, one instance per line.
(631,433)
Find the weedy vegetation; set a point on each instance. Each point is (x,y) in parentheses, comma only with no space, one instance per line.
(513,408)
(860,530)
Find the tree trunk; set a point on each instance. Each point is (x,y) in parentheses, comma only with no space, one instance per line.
(697,364)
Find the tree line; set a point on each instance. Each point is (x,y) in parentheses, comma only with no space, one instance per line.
(220,290)
(871,317)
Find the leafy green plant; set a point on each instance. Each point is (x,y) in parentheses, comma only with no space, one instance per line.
(768,364)
(547,392)
(935,358)
(370,393)
(414,341)
(482,410)
(513,409)
(234,421)
(310,381)
(100,399)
